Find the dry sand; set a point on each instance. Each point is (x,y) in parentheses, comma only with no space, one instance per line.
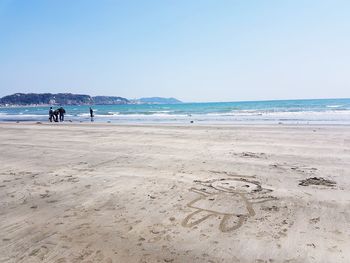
(108,193)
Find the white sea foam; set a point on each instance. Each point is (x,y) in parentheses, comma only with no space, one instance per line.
(161,111)
(242,116)
(84,115)
(334,106)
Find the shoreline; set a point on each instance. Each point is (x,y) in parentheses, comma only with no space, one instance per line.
(329,111)
(182,124)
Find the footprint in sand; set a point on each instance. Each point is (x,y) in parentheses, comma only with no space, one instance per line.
(40,252)
(253,155)
(295,167)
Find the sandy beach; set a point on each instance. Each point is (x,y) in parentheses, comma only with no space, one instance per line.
(113,193)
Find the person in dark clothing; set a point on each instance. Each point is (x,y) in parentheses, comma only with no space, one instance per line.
(61,113)
(51,114)
(91,114)
(55,113)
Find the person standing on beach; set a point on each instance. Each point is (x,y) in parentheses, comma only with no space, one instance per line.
(61,113)
(55,113)
(51,114)
(91,114)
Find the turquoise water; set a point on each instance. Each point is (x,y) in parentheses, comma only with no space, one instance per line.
(289,111)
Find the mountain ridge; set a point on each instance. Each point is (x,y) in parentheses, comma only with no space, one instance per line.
(33,99)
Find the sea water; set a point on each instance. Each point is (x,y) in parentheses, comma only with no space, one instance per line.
(317,111)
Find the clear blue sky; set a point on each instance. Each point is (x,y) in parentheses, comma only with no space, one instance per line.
(199,50)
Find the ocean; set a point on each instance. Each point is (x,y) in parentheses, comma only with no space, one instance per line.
(317,111)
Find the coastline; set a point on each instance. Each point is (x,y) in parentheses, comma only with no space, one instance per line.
(194,125)
(326,111)
(99,192)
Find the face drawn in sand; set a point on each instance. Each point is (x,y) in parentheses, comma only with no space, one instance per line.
(230,199)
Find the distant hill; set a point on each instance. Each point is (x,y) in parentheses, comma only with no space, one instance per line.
(109,100)
(158,100)
(27,99)
(46,98)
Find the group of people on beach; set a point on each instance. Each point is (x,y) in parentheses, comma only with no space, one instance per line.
(58,114)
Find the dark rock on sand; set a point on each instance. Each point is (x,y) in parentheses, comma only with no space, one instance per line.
(317,181)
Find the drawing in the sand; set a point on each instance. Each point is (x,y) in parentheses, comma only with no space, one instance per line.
(229,199)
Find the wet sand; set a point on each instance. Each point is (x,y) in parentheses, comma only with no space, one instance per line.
(109,193)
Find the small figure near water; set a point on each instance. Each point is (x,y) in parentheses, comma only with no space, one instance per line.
(61,113)
(55,113)
(91,114)
(51,114)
